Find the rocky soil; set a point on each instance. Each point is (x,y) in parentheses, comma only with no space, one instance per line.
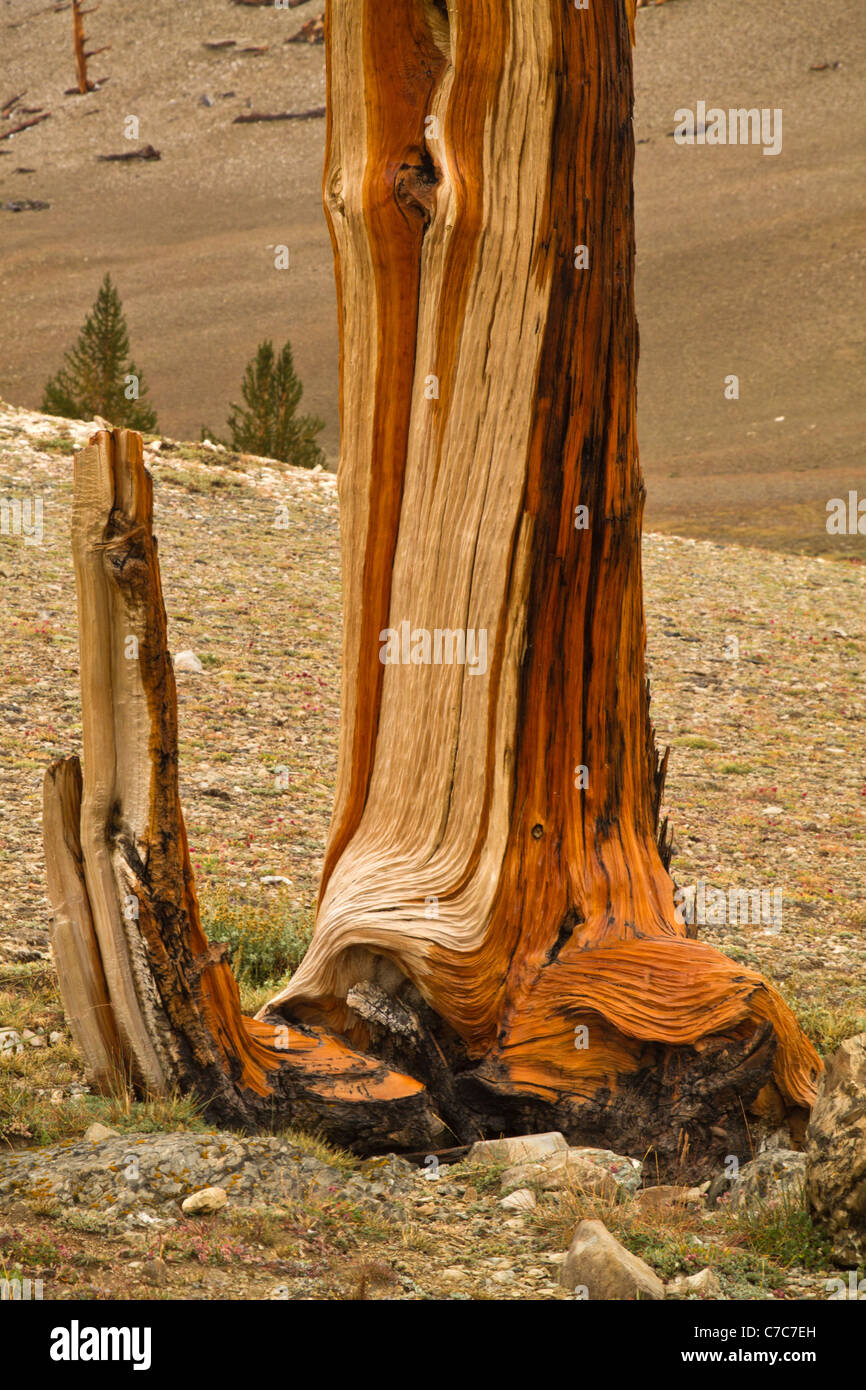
(746,264)
(221,1216)
(758,685)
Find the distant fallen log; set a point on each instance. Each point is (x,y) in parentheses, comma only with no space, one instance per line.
(145,152)
(311,32)
(24,205)
(24,125)
(253,116)
(6,108)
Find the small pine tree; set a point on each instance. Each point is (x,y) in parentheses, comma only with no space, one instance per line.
(269,425)
(97,377)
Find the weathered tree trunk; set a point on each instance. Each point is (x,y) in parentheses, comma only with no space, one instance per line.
(488,395)
(496,923)
(120,878)
(79,44)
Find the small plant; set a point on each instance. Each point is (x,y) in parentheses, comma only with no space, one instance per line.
(267,942)
(827,1028)
(270,425)
(780,1231)
(97,377)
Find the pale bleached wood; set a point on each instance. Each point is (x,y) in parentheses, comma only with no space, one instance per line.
(115,737)
(129,931)
(73,940)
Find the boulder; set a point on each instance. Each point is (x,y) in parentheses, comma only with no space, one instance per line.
(669,1199)
(836,1152)
(626,1172)
(704,1284)
(206,1200)
(145,1176)
(607,1271)
(563,1170)
(524,1148)
(774,1179)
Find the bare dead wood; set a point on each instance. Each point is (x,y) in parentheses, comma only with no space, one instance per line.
(144,152)
(79,43)
(24,125)
(173,999)
(73,939)
(311,32)
(252,117)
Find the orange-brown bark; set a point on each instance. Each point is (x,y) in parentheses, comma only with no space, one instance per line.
(78,42)
(553,904)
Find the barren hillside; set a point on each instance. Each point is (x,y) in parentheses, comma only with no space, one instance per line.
(747,264)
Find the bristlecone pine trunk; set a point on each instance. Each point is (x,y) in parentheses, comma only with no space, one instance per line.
(497,947)
(79,44)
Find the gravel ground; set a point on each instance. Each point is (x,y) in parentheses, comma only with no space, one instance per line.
(756,662)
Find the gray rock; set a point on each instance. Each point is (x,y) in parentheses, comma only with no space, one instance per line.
(155,1272)
(626,1172)
(563,1170)
(141,1177)
(774,1179)
(523,1148)
(836,1152)
(598,1263)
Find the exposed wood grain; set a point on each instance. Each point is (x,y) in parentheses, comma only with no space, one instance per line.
(73,939)
(454,244)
